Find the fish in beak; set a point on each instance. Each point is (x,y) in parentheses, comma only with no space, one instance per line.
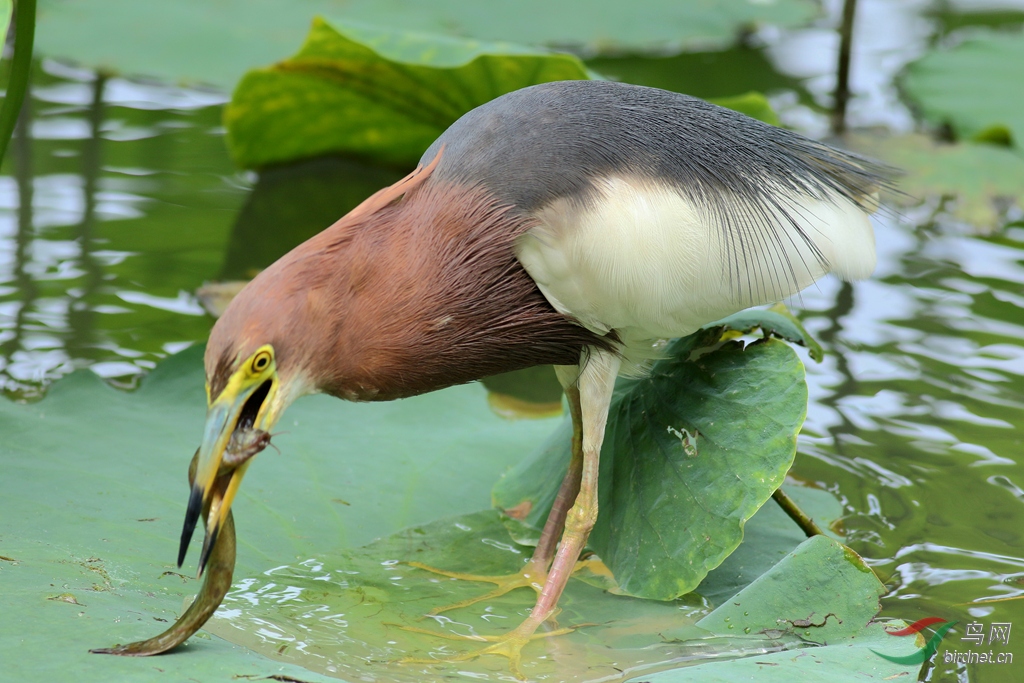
(238,424)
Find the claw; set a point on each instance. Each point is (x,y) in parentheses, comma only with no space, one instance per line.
(509,645)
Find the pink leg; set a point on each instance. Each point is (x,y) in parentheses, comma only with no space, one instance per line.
(534,573)
(570,484)
(596,384)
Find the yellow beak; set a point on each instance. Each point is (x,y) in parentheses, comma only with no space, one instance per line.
(245,405)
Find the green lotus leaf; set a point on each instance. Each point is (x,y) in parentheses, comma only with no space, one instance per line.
(386,95)
(94,490)
(374,93)
(690,454)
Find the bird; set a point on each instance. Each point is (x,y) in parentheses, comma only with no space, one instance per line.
(572,224)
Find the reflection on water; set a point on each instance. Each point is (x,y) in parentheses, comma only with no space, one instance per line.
(115,205)
(915,422)
(118,203)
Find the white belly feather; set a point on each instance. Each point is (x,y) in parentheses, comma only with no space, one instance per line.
(645,261)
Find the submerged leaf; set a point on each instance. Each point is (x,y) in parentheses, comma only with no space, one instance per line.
(982,180)
(690,453)
(93,499)
(357,613)
(974,86)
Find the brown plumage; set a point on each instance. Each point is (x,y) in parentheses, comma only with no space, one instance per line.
(417,289)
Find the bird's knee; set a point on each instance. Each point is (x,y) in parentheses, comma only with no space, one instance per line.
(581,518)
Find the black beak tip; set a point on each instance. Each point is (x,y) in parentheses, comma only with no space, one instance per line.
(195,507)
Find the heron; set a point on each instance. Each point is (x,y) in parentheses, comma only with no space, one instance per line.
(572,224)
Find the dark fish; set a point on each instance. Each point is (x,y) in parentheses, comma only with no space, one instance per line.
(220,567)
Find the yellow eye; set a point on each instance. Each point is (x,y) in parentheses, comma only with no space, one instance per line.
(260,361)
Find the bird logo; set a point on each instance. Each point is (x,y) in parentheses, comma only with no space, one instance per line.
(924,653)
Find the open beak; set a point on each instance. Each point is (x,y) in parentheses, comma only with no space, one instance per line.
(246,403)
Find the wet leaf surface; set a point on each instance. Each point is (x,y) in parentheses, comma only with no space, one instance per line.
(350,615)
(347,614)
(94,491)
(219,569)
(94,515)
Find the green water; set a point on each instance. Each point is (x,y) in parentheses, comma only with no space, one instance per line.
(914,423)
(118,201)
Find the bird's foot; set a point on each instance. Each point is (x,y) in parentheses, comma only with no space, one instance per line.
(532,575)
(509,645)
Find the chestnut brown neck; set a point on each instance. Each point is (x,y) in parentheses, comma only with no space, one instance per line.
(421,294)
(433,295)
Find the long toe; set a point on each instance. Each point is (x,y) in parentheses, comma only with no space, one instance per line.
(531,576)
(509,645)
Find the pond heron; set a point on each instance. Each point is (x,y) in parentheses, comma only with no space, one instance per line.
(573,224)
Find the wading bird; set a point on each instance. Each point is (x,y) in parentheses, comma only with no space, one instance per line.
(573,224)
